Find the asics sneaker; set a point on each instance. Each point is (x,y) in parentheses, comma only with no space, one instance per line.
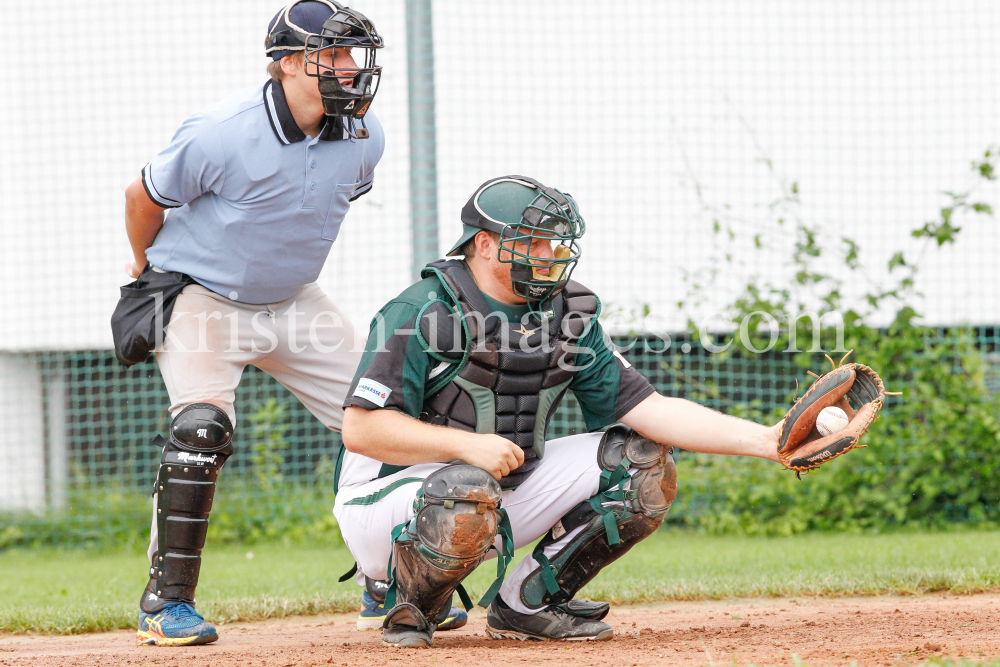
(177,624)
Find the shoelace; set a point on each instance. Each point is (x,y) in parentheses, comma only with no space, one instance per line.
(180,611)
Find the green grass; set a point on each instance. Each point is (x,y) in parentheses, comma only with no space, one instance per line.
(679,566)
(106,517)
(67,592)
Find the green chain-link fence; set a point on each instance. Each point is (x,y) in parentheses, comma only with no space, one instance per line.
(99,463)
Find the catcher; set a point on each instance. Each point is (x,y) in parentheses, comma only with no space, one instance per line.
(446,461)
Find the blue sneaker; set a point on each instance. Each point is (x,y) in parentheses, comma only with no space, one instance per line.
(177,624)
(373,613)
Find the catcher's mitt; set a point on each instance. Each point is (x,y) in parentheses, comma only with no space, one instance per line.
(854,388)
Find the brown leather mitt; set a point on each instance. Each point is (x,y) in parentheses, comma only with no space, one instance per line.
(854,388)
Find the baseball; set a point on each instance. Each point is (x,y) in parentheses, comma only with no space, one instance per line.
(831,420)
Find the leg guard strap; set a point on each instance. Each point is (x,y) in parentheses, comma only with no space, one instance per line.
(504,557)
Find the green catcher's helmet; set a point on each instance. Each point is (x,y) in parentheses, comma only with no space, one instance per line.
(522,210)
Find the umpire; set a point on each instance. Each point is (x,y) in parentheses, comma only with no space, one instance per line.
(257,187)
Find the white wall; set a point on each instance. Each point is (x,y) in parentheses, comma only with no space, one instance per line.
(873,108)
(22,444)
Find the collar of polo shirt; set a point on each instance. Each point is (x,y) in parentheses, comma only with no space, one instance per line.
(283,123)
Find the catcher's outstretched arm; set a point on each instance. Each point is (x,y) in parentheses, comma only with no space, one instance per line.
(681,423)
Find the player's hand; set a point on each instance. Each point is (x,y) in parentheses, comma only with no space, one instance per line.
(494,454)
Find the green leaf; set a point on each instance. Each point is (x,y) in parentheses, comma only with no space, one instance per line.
(896,261)
(851,255)
(943,233)
(946,234)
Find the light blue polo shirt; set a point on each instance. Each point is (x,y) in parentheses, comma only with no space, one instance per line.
(255,204)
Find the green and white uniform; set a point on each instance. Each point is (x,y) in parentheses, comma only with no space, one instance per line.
(398,369)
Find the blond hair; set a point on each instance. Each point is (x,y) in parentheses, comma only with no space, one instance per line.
(274,67)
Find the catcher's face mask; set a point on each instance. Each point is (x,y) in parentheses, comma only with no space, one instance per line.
(347,87)
(538,227)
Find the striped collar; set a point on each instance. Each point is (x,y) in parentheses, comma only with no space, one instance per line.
(283,123)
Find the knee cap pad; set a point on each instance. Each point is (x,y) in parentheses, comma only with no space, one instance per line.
(202,427)
(654,487)
(200,442)
(456,514)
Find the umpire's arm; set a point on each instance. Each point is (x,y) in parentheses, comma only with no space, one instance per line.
(143,220)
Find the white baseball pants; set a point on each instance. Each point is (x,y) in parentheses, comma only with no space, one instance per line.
(567,475)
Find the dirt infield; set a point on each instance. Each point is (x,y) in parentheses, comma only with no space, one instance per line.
(869,631)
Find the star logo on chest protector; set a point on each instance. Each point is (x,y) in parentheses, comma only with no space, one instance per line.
(525,332)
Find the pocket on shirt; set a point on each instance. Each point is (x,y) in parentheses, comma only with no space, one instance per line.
(339,205)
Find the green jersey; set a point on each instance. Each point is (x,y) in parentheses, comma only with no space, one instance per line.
(396,368)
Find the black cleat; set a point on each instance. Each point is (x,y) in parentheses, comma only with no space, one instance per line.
(548,623)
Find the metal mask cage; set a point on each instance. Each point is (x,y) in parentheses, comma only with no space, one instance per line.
(315,68)
(351,30)
(548,220)
(316,44)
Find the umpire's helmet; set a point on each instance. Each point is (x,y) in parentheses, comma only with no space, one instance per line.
(315,26)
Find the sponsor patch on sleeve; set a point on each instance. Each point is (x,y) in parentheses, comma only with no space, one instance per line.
(372,391)
(622,359)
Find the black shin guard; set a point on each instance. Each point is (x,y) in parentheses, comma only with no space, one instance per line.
(200,442)
(587,553)
(636,513)
(456,521)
